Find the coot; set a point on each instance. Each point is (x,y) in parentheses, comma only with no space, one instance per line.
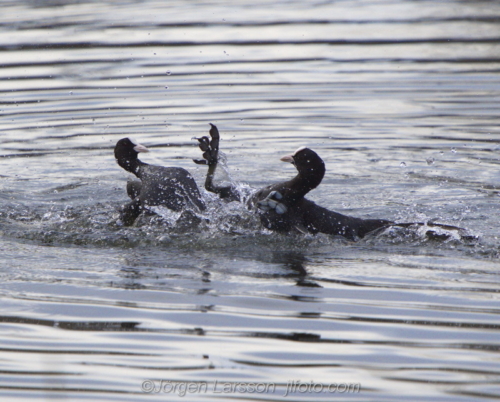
(282,206)
(172,187)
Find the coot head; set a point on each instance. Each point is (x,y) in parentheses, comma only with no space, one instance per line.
(126,151)
(309,165)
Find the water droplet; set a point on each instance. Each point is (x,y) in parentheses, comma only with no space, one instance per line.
(166,87)
(169,72)
(453,150)
(71,92)
(430,161)
(402,164)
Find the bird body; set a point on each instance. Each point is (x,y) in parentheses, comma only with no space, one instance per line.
(172,187)
(284,208)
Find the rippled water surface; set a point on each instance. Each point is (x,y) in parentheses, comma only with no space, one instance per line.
(402,101)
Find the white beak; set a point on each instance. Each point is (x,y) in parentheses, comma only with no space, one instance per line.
(140,148)
(287,158)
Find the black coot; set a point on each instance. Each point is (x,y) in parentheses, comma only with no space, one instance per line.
(172,187)
(282,206)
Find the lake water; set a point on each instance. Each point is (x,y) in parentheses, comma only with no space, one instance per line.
(402,101)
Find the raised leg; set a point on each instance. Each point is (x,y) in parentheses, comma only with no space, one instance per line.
(210,148)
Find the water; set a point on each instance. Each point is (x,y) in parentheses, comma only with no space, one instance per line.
(400,98)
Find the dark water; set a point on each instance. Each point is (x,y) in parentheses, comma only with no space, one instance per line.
(400,98)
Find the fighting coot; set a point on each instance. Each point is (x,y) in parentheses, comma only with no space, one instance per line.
(282,206)
(172,187)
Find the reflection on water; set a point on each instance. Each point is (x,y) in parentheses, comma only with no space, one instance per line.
(399,98)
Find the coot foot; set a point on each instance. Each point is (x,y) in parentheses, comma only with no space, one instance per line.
(210,147)
(272,202)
